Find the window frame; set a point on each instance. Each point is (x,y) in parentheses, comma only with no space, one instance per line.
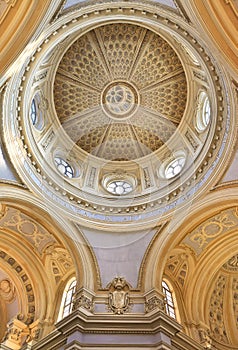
(66,305)
(171,307)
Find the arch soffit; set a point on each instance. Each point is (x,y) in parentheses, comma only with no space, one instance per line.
(173,234)
(66,234)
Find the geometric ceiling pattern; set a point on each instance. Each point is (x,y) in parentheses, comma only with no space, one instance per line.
(120,91)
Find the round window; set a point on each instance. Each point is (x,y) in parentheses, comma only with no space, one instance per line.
(174,167)
(121,187)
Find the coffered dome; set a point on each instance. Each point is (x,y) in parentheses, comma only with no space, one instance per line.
(120,91)
(121,116)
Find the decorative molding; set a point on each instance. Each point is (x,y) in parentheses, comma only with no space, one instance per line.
(79,205)
(83,298)
(154,303)
(211,229)
(35,330)
(16,332)
(234,6)
(5,7)
(235,299)
(216,311)
(177,266)
(154,300)
(232,264)
(58,261)
(205,338)
(31,230)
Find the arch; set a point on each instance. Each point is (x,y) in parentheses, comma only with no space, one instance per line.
(68,233)
(171,233)
(217,21)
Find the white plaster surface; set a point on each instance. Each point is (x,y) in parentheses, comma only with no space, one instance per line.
(119,253)
(232,172)
(5,169)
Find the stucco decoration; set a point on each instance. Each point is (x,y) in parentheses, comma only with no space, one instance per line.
(58,262)
(27,315)
(154,303)
(119,301)
(7,290)
(118,99)
(211,229)
(30,229)
(5,6)
(224,302)
(177,267)
(216,312)
(232,263)
(83,298)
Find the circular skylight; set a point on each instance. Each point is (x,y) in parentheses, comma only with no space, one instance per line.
(119,100)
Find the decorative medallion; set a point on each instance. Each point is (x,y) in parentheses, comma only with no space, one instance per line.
(120,100)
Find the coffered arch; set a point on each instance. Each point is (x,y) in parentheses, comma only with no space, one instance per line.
(48,249)
(171,233)
(67,233)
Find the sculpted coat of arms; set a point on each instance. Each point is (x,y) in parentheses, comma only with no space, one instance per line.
(119,301)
